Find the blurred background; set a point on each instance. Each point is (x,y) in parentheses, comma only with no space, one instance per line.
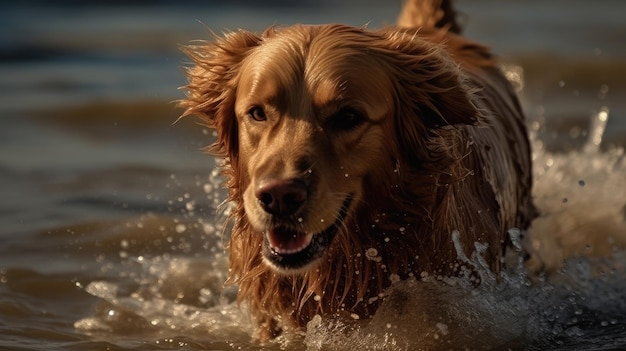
(94,170)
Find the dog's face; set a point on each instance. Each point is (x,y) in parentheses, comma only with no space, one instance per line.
(308,115)
(311,120)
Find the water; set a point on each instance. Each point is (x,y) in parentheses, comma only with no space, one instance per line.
(110,222)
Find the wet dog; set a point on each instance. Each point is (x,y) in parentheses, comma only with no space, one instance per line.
(354,157)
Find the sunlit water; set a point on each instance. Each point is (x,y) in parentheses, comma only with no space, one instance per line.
(571,297)
(111,228)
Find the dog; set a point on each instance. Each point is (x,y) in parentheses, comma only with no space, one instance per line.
(356,157)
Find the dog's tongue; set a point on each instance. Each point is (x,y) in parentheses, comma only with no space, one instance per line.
(286,241)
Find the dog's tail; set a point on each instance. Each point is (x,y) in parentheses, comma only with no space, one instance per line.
(429,14)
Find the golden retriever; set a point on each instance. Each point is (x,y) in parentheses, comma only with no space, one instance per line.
(353,155)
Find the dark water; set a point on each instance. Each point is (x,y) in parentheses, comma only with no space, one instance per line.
(109,223)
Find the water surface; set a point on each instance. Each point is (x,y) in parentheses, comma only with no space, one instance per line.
(109,224)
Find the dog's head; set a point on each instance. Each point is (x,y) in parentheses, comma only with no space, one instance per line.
(313,122)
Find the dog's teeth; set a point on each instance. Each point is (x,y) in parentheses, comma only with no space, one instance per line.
(288,244)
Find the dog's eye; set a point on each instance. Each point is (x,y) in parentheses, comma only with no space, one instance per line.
(256,113)
(346,119)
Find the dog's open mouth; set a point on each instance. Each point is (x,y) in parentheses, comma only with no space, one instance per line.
(287,248)
(285,241)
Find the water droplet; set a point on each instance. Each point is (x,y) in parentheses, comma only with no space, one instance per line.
(372,255)
(575,132)
(516,238)
(603,115)
(208,188)
(371,252)
(190,206)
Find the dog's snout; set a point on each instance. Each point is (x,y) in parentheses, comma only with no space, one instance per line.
(281,197)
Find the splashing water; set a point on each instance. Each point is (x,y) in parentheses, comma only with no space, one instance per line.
(181,295)
(576,301)
(571,294)
(578,196)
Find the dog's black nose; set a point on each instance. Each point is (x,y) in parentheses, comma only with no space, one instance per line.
(281,197)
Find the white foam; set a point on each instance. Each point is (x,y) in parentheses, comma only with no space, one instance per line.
(579,299)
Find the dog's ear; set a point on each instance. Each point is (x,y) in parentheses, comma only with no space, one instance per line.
(431,92)
(430,83)
(213,83)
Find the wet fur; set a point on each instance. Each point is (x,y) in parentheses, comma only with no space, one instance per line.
(448,152)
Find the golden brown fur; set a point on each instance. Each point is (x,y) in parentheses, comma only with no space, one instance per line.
(394,138)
